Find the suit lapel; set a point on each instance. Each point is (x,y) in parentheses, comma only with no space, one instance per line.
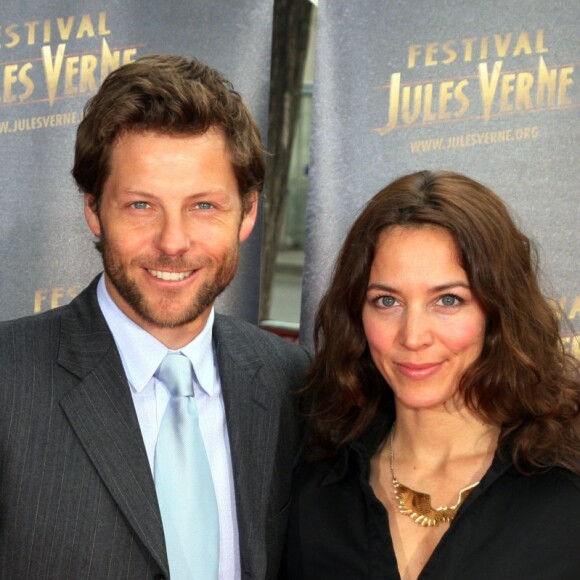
(101,412)
(250,421)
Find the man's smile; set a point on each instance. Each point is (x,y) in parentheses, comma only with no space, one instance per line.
(172,276)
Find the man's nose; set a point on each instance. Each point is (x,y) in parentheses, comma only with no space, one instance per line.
(173,237)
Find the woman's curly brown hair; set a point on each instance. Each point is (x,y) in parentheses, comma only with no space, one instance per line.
(523,381)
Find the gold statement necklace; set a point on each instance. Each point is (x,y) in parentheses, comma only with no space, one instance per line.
(417,505)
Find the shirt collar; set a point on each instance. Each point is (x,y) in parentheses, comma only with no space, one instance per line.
(360,450)
(201,354)
(141,353)
(358,453)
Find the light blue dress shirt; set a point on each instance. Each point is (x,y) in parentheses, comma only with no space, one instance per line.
(141,354)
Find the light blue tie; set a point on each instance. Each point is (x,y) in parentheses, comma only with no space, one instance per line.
(183,479)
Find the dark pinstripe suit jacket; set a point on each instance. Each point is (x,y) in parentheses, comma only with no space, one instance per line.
(77,499)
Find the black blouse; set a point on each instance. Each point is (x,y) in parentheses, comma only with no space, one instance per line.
(511,527)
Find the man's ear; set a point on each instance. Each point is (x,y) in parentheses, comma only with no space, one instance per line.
(91,214)
(249,216)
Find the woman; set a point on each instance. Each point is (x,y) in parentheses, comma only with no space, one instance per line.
(442,408)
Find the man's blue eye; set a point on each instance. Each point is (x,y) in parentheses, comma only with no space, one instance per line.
(204,205)
(139,204)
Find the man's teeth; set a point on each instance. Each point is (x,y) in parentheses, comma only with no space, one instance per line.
(173,276)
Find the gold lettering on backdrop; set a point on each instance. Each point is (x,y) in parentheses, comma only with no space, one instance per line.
(466,140)
(56,297)
(111,60)
(567,307)
(564,82)
(468,49)
(65,29)
(468,45)
(39,298)
(10,77)
(60,29)
(488,86)
(515,91)
(17,84)
(418,103)
(498,90)
(48,298)
(428,114)
(575,309)
(39,122)
(79,72)
(67,70)
(52,69)
(572,345)
(12,35)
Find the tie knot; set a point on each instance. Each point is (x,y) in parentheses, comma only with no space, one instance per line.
(175,373)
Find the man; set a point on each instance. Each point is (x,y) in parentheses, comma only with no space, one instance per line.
(171,165)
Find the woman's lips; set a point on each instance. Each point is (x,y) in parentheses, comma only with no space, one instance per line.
(418,371)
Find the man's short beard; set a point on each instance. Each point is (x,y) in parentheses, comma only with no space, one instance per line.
(156,314)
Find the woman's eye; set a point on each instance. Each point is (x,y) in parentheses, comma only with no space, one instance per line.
(387,301)
(450,300)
